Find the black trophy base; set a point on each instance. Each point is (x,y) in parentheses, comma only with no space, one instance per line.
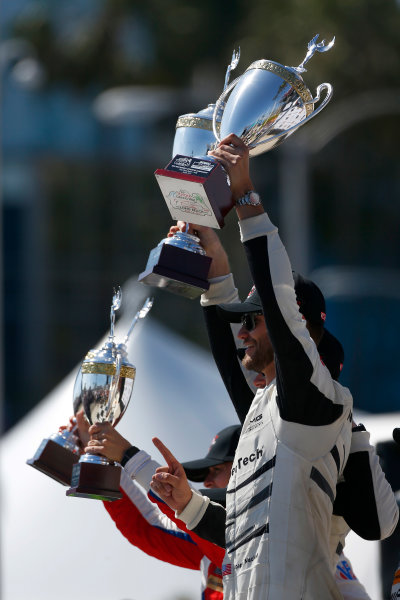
(95,481)
(55,461)
(177,270)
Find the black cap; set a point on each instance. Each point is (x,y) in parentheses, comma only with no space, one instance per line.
(222,449)
(215,494)
(309,298)
(331,353)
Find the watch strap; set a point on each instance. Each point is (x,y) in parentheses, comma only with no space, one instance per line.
(251,198)
(128,455)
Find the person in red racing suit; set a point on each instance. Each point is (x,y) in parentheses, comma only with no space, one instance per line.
(154,529)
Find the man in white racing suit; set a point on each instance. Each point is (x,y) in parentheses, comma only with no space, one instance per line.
(296,435)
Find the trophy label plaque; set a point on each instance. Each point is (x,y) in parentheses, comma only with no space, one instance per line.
(195,190)
(95,481)
(54,460)
(182,272)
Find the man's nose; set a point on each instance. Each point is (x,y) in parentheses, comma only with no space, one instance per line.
(209,481)
(242,334)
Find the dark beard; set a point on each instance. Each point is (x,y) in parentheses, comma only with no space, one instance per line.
(258,362)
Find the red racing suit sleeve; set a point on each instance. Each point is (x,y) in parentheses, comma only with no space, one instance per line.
(147,528)
(213,552)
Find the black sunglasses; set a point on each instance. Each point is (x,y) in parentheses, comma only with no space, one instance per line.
(248,320)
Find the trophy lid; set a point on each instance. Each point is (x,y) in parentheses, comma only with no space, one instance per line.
(103,361)
(200,120)
(194,135)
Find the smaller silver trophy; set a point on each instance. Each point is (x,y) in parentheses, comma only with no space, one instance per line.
(179,263)
(103,388)
(194,184)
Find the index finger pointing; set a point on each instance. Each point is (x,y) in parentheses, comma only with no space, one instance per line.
(167,454)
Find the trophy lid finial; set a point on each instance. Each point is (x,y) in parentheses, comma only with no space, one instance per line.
(312,48)
(232,66)
(116,303)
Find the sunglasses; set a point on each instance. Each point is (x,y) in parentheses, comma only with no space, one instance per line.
(248,320)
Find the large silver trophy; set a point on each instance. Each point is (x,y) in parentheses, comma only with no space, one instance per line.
(269,102)
(263,106)
(103,388)
(179,263)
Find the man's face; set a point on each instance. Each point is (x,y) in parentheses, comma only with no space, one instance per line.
(218,476)
(259,353)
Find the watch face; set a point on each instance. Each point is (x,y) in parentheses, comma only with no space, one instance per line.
(254,199)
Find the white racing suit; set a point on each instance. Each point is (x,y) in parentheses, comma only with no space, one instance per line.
(293,448)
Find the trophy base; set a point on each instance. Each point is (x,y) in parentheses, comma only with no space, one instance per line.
(177,270)
(55,461)
(98,482)
(196,190)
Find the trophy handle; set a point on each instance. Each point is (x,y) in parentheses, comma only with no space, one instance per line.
(114,385)
(323,86)
(218,105)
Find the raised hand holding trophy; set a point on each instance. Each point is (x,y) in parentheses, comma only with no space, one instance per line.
(103,387)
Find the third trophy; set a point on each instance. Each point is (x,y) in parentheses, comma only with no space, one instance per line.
(103,387)
(179,263)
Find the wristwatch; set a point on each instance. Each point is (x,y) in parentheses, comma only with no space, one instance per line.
(251,198)
(128,455)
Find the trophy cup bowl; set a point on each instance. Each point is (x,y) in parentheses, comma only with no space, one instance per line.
(194,135)
(269,102)
(103,387)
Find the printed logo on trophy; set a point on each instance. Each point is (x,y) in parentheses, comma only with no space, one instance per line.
(193,204)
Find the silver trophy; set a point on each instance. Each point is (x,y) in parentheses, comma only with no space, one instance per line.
(193,184)
(179,263)
(269,102)
(57,455)
(103,388)
(194,134)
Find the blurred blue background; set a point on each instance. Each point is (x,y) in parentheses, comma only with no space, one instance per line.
(91,91)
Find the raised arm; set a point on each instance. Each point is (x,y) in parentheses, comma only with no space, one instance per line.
(222,341)
(308,395)
(205,518)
